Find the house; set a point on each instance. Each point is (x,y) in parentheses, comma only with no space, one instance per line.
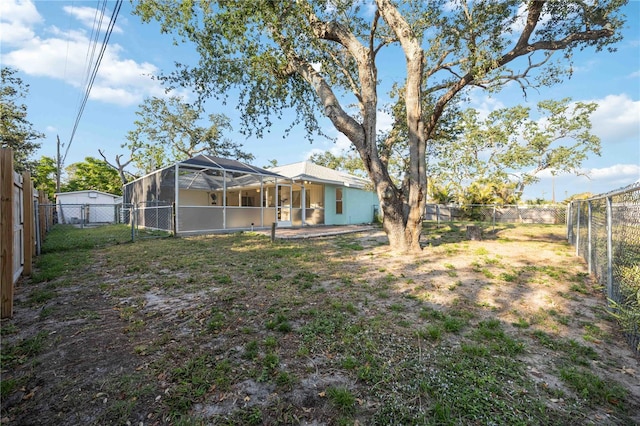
(88,206)
(207,193)
(329,197)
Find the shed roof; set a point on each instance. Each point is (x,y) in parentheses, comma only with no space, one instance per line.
(306,170)
(85,191)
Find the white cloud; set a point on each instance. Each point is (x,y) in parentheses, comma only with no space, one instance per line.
(65,55)
(483,104)
(313,151)
(617,118)
(89,17)
(384,121)
(16,19)
(615,172)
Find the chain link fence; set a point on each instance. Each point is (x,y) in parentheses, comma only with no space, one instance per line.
(99,225)
(606,232)
(544,214)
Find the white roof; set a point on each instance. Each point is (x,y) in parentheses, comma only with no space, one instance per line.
(86,191)
(306,170)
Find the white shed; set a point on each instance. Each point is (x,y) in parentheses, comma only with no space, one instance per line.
(87,206)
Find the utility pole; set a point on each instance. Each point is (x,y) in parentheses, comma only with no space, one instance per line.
(58,165)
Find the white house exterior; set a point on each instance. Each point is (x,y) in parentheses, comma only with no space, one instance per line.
(89,206)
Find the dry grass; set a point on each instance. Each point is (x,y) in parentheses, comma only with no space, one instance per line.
(233,329)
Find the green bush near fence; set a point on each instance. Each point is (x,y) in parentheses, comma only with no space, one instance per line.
(627,311)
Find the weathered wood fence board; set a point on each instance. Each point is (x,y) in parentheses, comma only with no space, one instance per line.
(17,228)
(6,233)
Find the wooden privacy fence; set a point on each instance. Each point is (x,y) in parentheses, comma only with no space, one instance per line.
(21,228)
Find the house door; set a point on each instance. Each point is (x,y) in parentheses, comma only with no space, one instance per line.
(284,195)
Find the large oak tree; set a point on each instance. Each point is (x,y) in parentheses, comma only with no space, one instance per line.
(310,56)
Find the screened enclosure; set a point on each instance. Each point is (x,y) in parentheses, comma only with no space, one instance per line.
(210,193)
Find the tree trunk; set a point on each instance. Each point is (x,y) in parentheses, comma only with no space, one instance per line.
(411,207)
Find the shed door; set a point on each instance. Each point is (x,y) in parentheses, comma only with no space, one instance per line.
(284,194)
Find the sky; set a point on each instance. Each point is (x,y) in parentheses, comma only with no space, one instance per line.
(48,42)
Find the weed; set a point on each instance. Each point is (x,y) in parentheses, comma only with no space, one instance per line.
(521,323)
(592,388)
(251,349)
(430,313)
(285,380)
(342,399)
(481,251)
(194,378)
(270,363)
(23,350)
(40,296)
(7,386)
(279,323)
(325,323)
(487,273)
(349,363)
(579,288)
(490,332)
(271,342)
(507,277)
(431,332)
(569,348)
(593,333)
(453,324)
(455,285)
(8,329)
(216,321)
(396,307)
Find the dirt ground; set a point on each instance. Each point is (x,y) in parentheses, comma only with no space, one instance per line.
(100,345)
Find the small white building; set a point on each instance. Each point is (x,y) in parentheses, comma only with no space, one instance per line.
(89,206)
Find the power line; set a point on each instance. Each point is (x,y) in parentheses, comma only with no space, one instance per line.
(91,79)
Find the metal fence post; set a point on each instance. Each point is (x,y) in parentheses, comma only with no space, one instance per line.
(578,231)
(589,241)
(133,216)
(569,222)
(610,247)
(494,218)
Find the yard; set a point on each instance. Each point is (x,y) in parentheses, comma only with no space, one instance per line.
(234,329)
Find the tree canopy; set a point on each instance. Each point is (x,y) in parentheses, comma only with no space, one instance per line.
(168,130)
(16,132)
(92,174)
(508,149)
(311,58)
(45,175)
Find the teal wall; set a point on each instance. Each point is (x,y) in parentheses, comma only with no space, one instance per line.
(357,206)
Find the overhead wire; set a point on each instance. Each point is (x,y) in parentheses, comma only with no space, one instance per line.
(92,75)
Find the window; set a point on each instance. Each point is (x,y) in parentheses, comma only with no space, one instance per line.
(338,200)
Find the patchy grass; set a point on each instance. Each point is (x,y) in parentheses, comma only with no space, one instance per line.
(235,329)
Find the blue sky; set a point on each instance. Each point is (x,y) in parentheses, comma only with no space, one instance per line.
(48,41)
